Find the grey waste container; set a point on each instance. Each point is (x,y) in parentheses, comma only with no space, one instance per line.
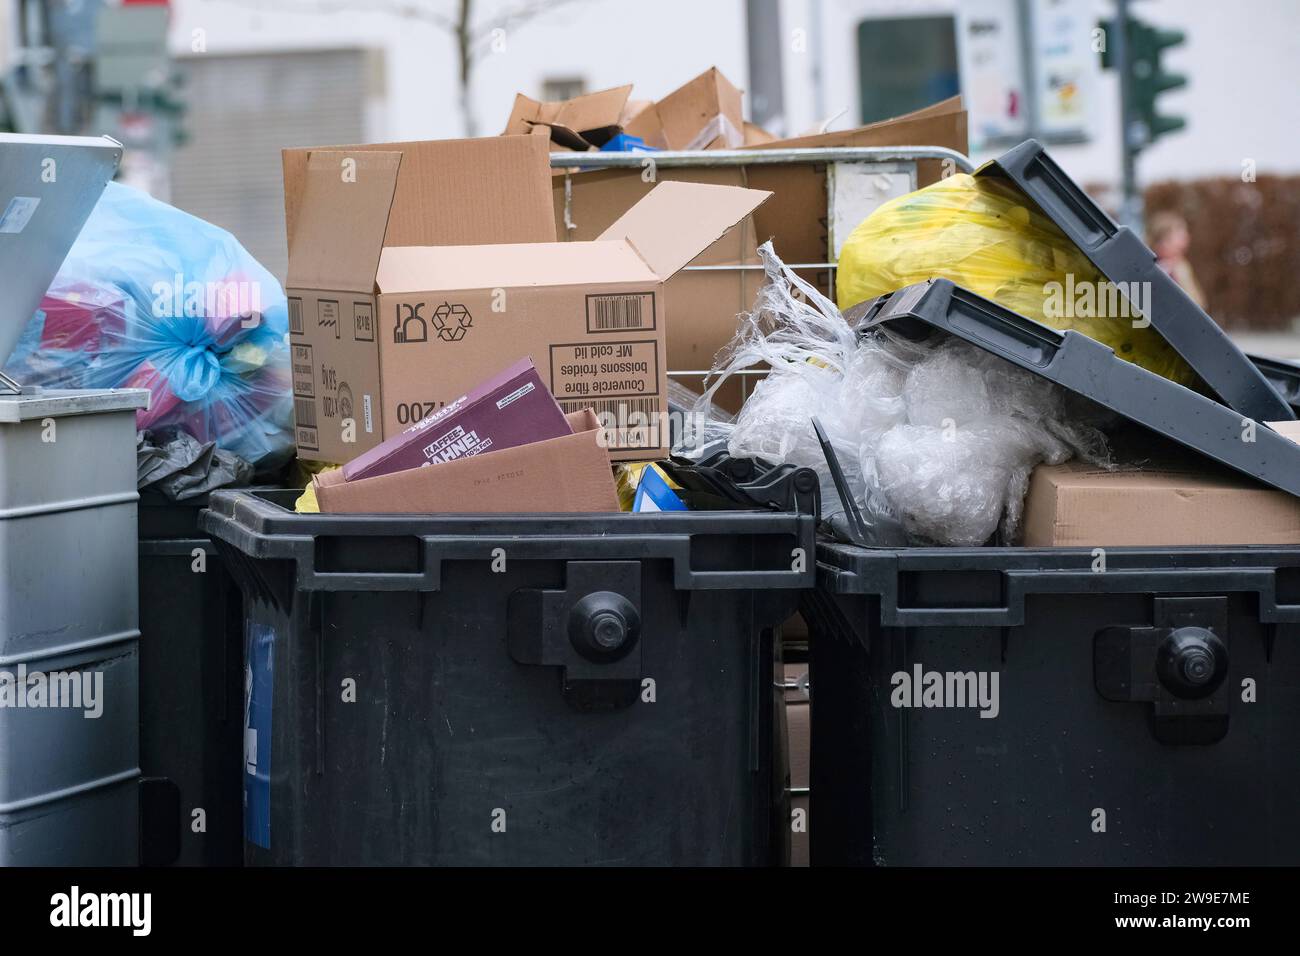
(69,659)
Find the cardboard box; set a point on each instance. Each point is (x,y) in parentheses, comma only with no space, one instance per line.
(591,313)
(704,305)
(583,123)
(384,334)
(1181,503)
(702,114)
(514,407)
(755,135)
(343,207)
(563,475)
(798,720)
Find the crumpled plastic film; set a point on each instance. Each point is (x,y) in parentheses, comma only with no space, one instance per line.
(152,297)
(181,467)
(983,234)
(936,438)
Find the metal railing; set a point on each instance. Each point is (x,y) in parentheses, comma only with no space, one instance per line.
(879,156)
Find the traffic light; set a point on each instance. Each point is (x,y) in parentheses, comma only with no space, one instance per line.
(1147,79)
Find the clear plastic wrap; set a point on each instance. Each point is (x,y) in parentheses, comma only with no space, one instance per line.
(936,438)
(152,297)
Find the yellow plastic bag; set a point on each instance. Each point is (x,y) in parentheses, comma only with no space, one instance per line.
(303,471)
(627,478)
(984,235)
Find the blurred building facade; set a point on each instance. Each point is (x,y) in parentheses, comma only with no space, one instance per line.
(270,73)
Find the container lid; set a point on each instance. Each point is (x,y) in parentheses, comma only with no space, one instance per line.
(48,186)
(1283,375)
(1123,258)
(58,402)
(1085,366)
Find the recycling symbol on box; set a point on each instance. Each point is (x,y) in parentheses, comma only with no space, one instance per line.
(452,322)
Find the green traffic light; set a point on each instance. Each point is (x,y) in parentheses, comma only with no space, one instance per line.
(1147,78)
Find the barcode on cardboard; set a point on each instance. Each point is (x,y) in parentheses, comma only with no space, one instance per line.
(295,316)
(629,423)
(304,412)
(620,312)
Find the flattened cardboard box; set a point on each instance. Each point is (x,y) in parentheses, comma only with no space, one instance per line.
(568,474)
(343,206)
(1179,504)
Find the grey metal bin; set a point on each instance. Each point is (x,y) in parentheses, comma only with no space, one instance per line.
(69,671)
(68,628)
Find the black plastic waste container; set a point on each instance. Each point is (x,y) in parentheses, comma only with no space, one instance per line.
(191,692)
(512,689)
(1055,706)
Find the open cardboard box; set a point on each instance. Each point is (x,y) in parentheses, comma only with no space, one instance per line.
(568,474)
(343,206)
(389,323)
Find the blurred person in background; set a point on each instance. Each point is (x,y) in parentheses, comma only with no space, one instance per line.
(1168,237)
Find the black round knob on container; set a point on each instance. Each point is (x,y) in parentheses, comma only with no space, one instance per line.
(603,626)
(1192,662)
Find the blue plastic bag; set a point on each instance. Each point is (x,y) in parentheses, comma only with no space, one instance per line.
(152,297)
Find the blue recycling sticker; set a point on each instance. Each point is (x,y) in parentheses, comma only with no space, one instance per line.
(258,675)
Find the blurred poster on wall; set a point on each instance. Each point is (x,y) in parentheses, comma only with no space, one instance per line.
(990,49)
(1064,64)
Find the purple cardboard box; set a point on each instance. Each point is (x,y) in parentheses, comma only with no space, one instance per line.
(509,409)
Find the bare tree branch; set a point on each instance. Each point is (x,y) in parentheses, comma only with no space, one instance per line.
(471,40)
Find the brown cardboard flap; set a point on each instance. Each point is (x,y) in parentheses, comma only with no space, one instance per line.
(562,475)
(930,126)
(677,221)
(410,269)
(342,220)
(452,192)
(594,110)
(471,192)
(703,113)
(583,420)
(631,110)
(524,112)
(586,112)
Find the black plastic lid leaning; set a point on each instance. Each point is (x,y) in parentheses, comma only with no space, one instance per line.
(1085,366)
(1123,258)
